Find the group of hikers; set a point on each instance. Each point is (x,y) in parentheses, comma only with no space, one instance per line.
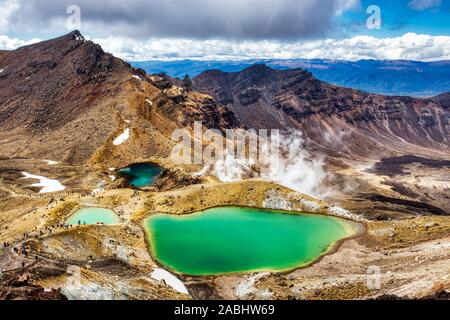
(24,249)
(47,230)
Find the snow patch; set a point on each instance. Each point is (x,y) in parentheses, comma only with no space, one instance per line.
(137,77)
(1,70)
(122,138)
(79,38)
(172,281)
(47,185)
(112,178)
(50,162)
(149,102)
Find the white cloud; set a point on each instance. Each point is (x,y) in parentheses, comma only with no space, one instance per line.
(346,5)
(410,46)
(201,19)
(8,7)
(424,4)
(7,43)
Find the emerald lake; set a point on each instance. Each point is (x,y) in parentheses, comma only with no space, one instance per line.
(141,174)
(237,239)
(93,216)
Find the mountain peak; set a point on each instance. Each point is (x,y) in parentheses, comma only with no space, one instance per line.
(76,34)
(262,73)
(47,71)
(259,69)
(62,41)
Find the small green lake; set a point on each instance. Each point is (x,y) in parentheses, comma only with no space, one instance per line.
(93,216)
(236,239)
(141,174)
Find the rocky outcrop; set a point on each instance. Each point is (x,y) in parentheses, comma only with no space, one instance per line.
(443,99)
(174,179)
(19,286)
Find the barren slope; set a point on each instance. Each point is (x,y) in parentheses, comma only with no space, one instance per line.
(68,100)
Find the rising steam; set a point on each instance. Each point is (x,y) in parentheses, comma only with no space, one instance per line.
(292,167)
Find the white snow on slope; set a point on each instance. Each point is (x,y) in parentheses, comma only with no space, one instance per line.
(172,281)
(50,162)
(150,102)
(47,185)
(80,38)
(137,77)
(122,138)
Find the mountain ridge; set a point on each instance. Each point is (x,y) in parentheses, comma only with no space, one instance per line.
(388,77)
(262,97)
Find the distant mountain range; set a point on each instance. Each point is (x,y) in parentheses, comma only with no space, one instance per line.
(388,77)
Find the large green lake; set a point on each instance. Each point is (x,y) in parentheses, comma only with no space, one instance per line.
(236,239)
(141,174)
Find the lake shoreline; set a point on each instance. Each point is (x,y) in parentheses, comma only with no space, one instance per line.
(351,229)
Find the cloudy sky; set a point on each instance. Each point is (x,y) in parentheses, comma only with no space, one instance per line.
(239,29)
